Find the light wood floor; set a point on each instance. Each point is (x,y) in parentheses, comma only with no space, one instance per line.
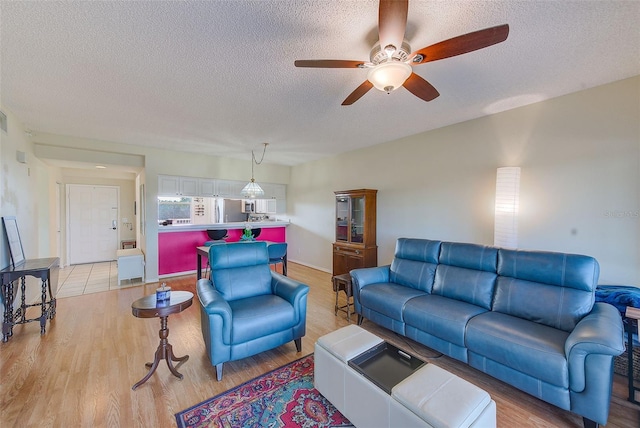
(80,373)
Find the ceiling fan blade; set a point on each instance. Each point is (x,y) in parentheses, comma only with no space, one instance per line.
(392,22)
(328,63)
(463,44)
(421,88)
(358,93)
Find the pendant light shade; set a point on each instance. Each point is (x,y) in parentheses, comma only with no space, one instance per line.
(253,190)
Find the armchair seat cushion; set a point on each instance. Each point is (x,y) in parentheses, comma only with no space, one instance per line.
(528,347)
(388,298)
(441,317)
(260,316)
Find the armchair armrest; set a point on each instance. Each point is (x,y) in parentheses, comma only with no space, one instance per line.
(287,288)
(363,277)
(600,332)
(213,303)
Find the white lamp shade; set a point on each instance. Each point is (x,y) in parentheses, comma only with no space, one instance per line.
(252,190)
(389,76)
(505,232)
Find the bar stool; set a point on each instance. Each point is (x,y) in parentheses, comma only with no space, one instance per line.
(278,254)
(343,283)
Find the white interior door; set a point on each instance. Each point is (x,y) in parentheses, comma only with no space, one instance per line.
(92,223)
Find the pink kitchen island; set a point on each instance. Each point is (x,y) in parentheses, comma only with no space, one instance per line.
(177,243)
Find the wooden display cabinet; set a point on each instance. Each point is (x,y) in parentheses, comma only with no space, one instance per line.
(355,245)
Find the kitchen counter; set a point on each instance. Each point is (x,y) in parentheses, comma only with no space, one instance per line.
(228,226)
(177,243)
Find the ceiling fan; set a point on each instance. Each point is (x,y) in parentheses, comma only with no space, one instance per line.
(391,59)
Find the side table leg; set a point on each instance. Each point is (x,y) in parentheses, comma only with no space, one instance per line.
(153,367)
(7,322)
(631,325)
(43,307)
(171,357)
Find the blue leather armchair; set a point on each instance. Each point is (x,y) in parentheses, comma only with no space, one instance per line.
(245,307)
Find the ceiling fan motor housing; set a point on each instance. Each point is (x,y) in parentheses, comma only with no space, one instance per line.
(379,55)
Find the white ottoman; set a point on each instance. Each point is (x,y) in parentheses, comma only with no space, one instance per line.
(430,397)
(130,264)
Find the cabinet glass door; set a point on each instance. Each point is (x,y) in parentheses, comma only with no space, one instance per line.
(357,219)
(342,218)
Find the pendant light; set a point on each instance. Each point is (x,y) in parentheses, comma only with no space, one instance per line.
(253,190)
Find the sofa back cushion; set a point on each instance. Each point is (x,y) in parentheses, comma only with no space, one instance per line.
(467,272)
(240,270)
(555,289)
(414,264)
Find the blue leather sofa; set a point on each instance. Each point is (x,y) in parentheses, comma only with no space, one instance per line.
(245,307)
(528,318)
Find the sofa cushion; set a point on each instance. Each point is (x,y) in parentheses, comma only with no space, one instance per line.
(260,316)
(534,349)
(565,270)
(387,298)
(553,306)
(468,285)
(554,289)
(414,263)
(470,256)
(441,317)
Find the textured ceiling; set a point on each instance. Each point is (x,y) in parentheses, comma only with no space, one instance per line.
(217,77)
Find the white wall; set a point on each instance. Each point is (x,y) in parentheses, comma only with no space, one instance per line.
(25,194)
(580,185)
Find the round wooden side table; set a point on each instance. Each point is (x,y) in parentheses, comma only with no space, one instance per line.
(147,307)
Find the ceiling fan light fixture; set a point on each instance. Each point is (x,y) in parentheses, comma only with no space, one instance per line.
(389,76)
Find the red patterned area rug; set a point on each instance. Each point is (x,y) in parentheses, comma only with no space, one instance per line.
(284,397)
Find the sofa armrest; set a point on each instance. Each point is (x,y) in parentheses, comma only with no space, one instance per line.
(600,332)
(290,290)
(213,304)
(374,275)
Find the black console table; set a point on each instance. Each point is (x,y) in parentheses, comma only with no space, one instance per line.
(44,269)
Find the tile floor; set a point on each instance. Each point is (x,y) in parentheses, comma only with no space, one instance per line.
(91,278)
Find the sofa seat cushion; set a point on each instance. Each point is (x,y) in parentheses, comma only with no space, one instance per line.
(530,348)
(388,298)
(441,317)
(260,316)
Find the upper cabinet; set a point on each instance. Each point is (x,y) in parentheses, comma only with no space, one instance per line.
(220,188)
(356,217)
(170,185)
(274,191)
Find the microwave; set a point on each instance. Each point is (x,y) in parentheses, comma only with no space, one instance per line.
(248,206)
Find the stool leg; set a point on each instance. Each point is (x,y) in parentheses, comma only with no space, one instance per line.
(335,309)
(346,292)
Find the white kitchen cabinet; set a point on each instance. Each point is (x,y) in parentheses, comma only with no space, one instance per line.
(189,186)
(208,187)
(274,191)
(279,191)
(224,188)
(169,185)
